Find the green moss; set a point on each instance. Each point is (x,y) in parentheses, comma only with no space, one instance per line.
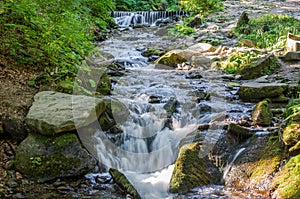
(171,59)
(291,134)
(64,140)
(269,161)
(262,114)
(287,181)
(123,182)
(190,170)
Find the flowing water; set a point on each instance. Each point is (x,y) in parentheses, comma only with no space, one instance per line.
(152,136)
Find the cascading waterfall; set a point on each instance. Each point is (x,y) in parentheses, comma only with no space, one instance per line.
(145,18)
(151,137)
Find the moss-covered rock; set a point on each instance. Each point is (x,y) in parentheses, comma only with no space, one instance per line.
(115,113)
(42,158)
(256,165)
(259,91)
(191,171)
(287,181)
(93,81)
(262,115)
(291,134)
(240,132)
(171,58)
(124,183)
(262,66)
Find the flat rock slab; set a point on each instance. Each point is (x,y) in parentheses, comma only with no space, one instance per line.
(54,112)
(257,91)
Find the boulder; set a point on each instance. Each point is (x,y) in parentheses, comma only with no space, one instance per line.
(254,164)
(262,66)
(195,22)
(92,81)
(286,182)
(262,115)
(53,112)
(14,125)
(292,43)
(291,134)
(239,132)
(192,171)
(258,91)
(115,113)
(172,58)
(43,158)
(124,183)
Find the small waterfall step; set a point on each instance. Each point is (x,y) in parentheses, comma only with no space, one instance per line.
(144,18)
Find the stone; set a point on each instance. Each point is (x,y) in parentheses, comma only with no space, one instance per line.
(124,183)
(292,56)
(115,113)
(43,158)
(195,22)
(254,91)
(53,112)
(93,81)
(262,114)
(240,132)
(171,58)
(192,171)
(286,182)
(262,66)
(201,48)
(292,43)
(14,125)
(291,134)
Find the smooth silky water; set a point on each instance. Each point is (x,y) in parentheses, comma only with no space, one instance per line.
(149,147)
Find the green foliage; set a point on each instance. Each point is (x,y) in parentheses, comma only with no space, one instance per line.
(52,36)
(269,31)
(238,60)
(180,29)
(202,7)
(292,109)
(36,160)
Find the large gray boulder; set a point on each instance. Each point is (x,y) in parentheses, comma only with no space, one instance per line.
(54,112)
(43,158)
(259,91)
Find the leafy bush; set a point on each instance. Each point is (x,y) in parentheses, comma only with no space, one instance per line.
(202,7)
(292,109)
(269,31)
(53,36)
(180,29)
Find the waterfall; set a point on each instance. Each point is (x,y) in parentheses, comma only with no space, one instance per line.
(145,18)
(238,153)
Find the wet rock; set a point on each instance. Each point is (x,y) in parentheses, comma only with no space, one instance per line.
(286,182)
(53,112)
(193,75)
(170,106)
(199,94)
(255,165)
(262,114)
(153,51)
(201,62)
(44,158)
(123,182)
(258,91)
(115,113)
(263,65)
(154,99)
(192,171)
(240,132)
